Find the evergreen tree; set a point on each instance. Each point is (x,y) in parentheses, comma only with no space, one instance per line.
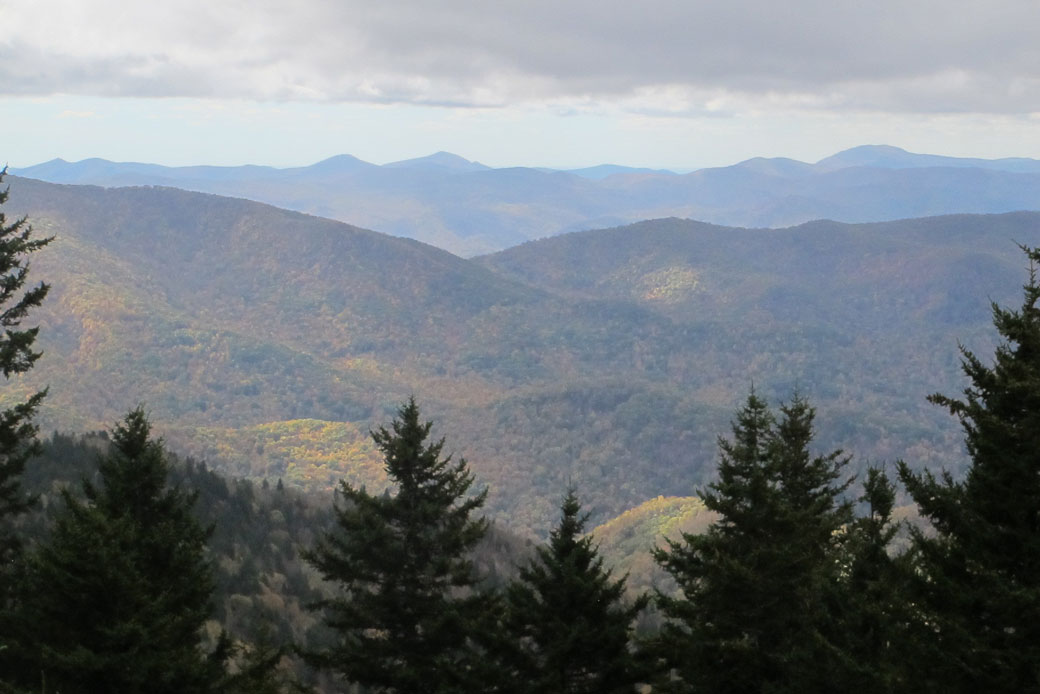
(568,619)
(875,629)
(17,431)
(811,514)
(752,615)
(408,602)
(981,569)
(116,597)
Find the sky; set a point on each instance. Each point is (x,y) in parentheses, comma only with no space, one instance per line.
(678,84)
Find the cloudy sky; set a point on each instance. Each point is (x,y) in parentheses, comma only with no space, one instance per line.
(566,83)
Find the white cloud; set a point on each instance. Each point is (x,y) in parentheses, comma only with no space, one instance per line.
(667,56)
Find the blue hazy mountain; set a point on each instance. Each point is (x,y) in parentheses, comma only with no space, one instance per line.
(605,170)
(469,209)
(887,157)
(441,161)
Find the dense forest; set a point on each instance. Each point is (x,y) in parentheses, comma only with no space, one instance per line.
(128,569)
(269,343)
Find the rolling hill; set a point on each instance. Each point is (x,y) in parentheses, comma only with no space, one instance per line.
(270,341)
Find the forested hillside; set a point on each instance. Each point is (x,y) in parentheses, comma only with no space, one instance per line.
(270,342)
(152,574)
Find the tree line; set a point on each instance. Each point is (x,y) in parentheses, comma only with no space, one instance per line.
(800,584)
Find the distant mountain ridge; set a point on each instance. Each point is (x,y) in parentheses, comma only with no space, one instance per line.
(888,157)
(470,209)
(441,161)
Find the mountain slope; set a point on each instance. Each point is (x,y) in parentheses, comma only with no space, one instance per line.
(940,270)
(231,320)
(271,342)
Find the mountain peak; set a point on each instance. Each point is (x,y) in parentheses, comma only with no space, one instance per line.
(339,163)
(885,156)
(445,161)
(889,157)
(775,166)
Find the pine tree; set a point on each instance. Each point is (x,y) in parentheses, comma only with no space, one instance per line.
(712,637)
(17,431)
(981,569)
(568,619)
(807,531)
(408,604)
(875,630)
(752,614)
(116,597)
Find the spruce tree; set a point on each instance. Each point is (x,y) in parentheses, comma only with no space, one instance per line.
(981,569)
(811,514)
(408,604)
(752,614)
(17,431)
(569,620)
(875,630)
(116,597)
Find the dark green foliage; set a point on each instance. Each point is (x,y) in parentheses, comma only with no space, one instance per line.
(261,579)
(117,596)
(259,671)
(568,620)
(810,515)
(875,631)
(407,605)
(17,431)
(753,613)
(981,570)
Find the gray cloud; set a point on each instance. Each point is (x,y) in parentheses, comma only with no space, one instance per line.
(892,55)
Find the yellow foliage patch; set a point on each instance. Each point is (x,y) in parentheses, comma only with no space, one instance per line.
(668,284)
(310,453)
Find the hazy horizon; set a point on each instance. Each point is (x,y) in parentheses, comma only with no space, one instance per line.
(432,155)
(673,85)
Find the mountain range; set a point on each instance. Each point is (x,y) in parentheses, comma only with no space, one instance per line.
(269,342)
(470,209)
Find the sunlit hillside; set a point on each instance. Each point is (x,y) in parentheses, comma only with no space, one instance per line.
(272,342)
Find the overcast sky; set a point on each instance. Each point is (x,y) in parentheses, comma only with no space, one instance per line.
(662,83)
